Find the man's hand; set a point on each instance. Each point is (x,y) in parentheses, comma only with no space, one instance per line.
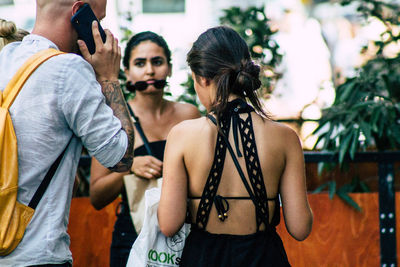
(106,60)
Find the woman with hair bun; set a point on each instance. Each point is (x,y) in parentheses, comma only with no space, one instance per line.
(9,33)
(233,215)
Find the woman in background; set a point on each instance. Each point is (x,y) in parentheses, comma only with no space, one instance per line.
(9,33)
(232,225)
(147,63)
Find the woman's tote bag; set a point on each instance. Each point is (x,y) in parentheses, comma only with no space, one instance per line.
(152,247)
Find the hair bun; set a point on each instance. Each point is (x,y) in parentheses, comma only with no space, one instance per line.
(250,68)
(7,28)
(248,75)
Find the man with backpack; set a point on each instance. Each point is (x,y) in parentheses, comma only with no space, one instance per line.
(67,102)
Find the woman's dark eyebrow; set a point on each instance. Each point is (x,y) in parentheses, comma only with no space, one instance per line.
(139,59)
(144,59)
(157,58)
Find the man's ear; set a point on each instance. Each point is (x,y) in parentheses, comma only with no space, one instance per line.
(76,6)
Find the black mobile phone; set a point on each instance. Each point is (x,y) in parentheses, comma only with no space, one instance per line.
(82,22)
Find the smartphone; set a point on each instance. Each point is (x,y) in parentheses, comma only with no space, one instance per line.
(82,22)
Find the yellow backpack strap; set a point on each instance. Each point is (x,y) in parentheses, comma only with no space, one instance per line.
(23,73)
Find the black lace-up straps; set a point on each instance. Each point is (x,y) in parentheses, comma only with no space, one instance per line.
(213,180)
(245,128)
(261,217)
(253,166)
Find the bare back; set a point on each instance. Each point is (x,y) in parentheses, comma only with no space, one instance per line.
(199,157)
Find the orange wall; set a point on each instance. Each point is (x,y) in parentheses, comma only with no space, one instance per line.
(340,236)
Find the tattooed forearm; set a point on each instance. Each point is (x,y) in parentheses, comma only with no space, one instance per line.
(115,99)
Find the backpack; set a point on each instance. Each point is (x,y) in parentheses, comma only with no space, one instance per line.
(15,216)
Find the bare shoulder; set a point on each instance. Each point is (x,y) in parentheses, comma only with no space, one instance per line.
(185,111)
(188,131)
(281,128)
(281,132)
(189,126)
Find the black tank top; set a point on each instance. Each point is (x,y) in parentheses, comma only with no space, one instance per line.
(157,148)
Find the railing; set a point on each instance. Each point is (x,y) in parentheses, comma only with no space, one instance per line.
(387,214)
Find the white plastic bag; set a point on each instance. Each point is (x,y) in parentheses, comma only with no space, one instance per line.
(152,248)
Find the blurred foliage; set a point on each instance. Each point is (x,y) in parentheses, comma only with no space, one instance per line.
(366,111)
(252,24)
(355,185)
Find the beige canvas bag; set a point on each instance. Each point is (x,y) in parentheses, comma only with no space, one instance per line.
(136,186)
(135,189)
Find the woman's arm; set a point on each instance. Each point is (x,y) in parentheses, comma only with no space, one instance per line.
(105,185)
(172,207)
(296,210)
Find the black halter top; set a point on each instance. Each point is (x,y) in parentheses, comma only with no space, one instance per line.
(242,127)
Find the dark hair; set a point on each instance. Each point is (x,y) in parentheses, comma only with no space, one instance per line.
(220,54)
(141,37)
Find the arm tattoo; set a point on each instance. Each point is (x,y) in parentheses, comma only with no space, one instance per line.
(115,99)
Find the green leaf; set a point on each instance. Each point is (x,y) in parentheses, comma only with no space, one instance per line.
(332,189)
(343,147)
(320,138)
(321,167)
(347,188)
(362,105)
(374,119)
(354,143)
(396,133)
(345,90)
(325,136)
(382,125)
(366,130)
(321,187)
(347,199)
(364,187)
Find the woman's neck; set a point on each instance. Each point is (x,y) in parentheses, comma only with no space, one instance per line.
(152,105)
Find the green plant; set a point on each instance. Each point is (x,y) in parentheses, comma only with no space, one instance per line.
(366,111)
(355,185)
